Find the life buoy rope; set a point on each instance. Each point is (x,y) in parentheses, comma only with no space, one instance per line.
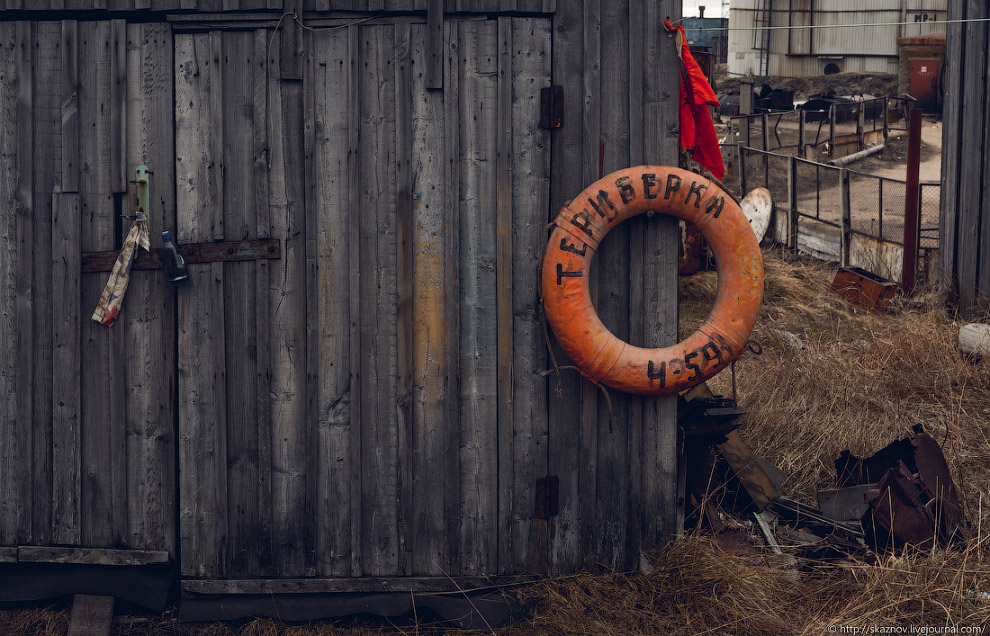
(579,229)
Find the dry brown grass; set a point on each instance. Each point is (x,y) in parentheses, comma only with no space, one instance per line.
(853,380)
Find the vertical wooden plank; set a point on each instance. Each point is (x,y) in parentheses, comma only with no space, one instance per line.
(291,53)
(434,493)
(452,134)
(973,135)
(240,301)
(378,298)
(503,292)
(24,298)
(982,242)
(328,208)
(607,541)
(404,292)
(478,356)
(289,420)
(70,106)
(119,174)
(202,395)
(592,169)
(104,495)
(12,483)
(150,325)
(47,107)
(355,276)
(951,129)
(67,366)
(530,194)
(567,179)
(434,41)
(661,508)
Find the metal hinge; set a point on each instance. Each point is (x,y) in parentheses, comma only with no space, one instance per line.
(552,107)
(546,500)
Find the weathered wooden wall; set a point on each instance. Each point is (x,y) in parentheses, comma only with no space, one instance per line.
(374,403)
(964,226)
(87,412)
(470,6)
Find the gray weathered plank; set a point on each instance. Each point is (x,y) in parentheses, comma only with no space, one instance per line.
(67,368)
(503,292)
(982,247)
(119,173)
(607,540)
(202,382)
(434,44)
(329,208)
(150,328)
(24,272)
(434,496)
(658,451)
(47,107)
(951,127)
(449,470)
(90,556)
(378,296)
(567,180)
(70,106)
(91,615)
(530,165)
(241,303)
(404,292)
(15,195)
(478,334)
(355,343)
(972,144)
(404,584)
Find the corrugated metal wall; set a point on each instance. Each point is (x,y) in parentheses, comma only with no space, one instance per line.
(796,52)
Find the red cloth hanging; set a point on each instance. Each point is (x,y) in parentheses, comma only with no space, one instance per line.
(697,127)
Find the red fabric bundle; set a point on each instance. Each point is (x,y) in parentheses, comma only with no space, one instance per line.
(697,128)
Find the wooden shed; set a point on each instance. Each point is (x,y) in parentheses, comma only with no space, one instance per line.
(964,224)
(352,394)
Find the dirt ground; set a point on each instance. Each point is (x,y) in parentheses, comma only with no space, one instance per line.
(876,84)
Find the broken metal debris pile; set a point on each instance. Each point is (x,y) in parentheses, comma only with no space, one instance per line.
(902,495)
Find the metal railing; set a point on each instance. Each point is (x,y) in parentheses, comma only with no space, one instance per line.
(837,204)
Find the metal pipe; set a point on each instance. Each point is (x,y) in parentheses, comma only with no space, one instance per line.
(911,208)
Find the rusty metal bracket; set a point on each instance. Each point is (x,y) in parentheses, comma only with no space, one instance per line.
(223,251)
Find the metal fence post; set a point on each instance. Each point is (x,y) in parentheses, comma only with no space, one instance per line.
(742,170)
(831,131)
(766,132)
(860,123)
(910,264)
(792,220)
(846,221)
(801,134)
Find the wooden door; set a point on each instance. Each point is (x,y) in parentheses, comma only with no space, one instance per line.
(87,431)
(371,404)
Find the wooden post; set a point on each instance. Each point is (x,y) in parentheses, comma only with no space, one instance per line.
(91,615)
(792,221)
(846,221)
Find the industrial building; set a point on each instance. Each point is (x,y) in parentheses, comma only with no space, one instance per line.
(804,39)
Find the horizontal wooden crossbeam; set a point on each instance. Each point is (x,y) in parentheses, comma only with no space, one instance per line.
(258,249)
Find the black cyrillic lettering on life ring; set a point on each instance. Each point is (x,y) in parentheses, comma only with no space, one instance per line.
(715,204)
(626,191)
(653,374)
(650,185)
(690,365)
(711,352)
(569,247)
(581,220)
(561,274)
(696,189)
(673,185)
(603,206)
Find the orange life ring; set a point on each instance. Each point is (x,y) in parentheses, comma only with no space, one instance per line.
(584,222)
